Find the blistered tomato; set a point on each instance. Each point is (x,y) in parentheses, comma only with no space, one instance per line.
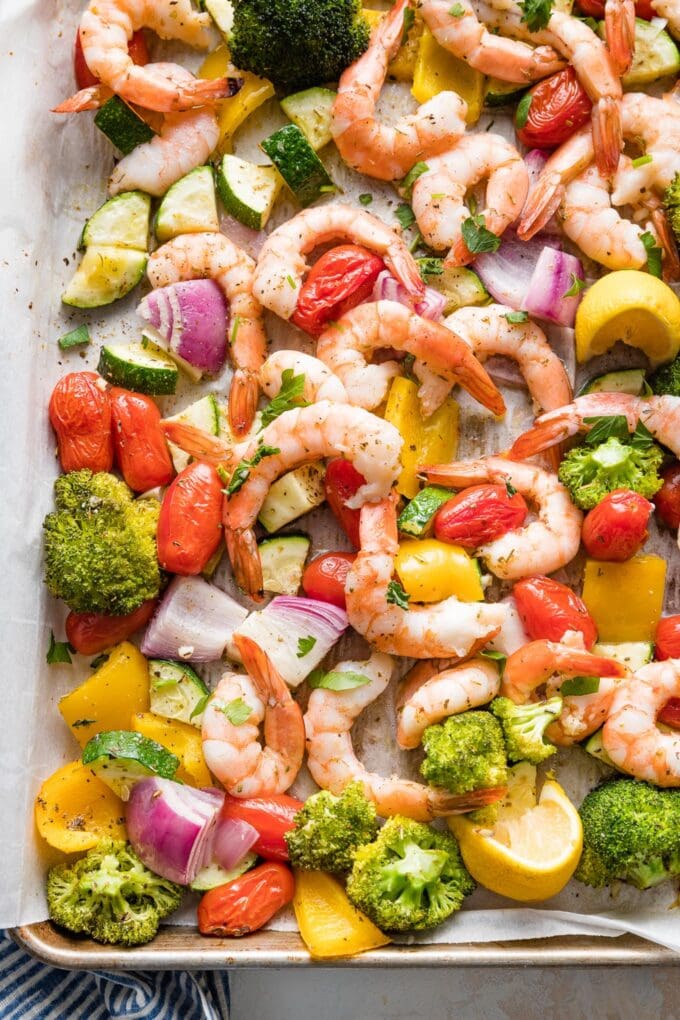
(549,609)
(339,281)
(325,577)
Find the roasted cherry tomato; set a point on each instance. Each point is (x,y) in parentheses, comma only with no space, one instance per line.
(670,713)
(595,9)
(80,414)
(667,638)
(325,577)
(190,521)
(90,633)
(479,514)
(342,482)
(137,49)
(559,107)
(141,450)
(549,609)
(271,816)
(617,527)
(667,499)
(244,905)
(340,280)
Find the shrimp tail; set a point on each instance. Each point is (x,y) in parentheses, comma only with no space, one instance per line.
(197,443)
(459,255)
(444,804)
(404,267)
(543,202)
(607,134)
(205,92)
(671,262)
(270,686)
(87,99)
(245,560)
(619,20)
(243,397)
(539,438)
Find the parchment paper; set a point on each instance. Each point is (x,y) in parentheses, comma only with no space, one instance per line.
(55,178)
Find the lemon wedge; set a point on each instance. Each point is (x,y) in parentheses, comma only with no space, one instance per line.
(533,849)
(634,307)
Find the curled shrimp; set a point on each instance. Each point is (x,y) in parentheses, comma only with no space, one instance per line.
(439,193)
(232,751)
(389,151)
(442,358)
(540,547)
(424,700)
(319,381)
(489,332)
(333,763)
(447,628)
(214,256)
(631,736)
(468,38)
(660,415)
(281,265)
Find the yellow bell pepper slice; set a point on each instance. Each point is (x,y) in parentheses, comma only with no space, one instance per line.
(329,925)
(403,66)
(625,599)
(107,699)
(74,810)
(430,570)
(432,440)
(180,738)
(437,71)
(232,112)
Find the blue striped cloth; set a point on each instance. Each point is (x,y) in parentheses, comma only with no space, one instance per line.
(34,991)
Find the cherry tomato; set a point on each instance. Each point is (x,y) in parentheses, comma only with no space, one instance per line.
(549,609)
(325,577)
(190,521)
(595,9)
(667,638)
(271,816)
(342,482)
(90,633)
(479,514)
(80,414)
(559,107)
(339,281)
(137,49)
(141,450)
(616,528)
(670,713)
(667,499)
(244,905)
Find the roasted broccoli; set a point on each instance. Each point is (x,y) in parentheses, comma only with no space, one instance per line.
(524,726)
(464,753)
(110,895)
(100,545)
(411,877)
(631,832)
(590,472)
(666,379)
(329,829)
(671,200)
(298,43)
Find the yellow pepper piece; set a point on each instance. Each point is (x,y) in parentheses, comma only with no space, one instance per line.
(107,699)
(431,570)
(232,112)
(329,924)
(432,440)
(74,810)
(403,66)
(625,599)
(180,738)
(437,71)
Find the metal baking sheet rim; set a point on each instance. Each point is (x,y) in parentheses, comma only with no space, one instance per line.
(181,949)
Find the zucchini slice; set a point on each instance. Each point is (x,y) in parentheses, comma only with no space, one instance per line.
(298,164)
(311,111)
(248,192)
(222,13)
(416,517)
(458,285)
(655,55)
(105,274)
(292,495)
(501,93)
(595,749)
(122,126)
(632,654)
(189,206)
(283,562)
(205,415)
(629,380)
(120,758)
(213,875)
(123,221)
(176,691)
(142,367)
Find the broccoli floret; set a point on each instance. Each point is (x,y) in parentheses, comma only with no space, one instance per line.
(631,832)
(329,829)
(100,545)
(671,200)
(524,727)
(590,472)
(110,895)
(667,378)
(464,753)
(298,43)
(411,877)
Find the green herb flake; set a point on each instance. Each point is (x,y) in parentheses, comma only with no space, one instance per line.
(642,438)
(642,161)
(291,281)
(654,253)
(523,107)
(430,267)
(59,651)
(242,470)
(337,680)
(234,329)
(536,13)
(305,645)
(516,317)
(605,427)
(200,706)
(237,711)
(405,215)
(477,238)
(396,595)
(77,723)
(408,23)
(78,337)
(412,176)
(576,285)
(500,658)
(99,660)
(457,11)
(578,685)
(510,489)
(366,198)
(288,397)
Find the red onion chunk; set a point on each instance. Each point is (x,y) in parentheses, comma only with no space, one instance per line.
(171,827)
(194,622)
(552,278)
(192,317)
(507,273)
(387,288)
(233,839)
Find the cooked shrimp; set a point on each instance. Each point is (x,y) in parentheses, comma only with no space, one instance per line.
(422,702)
(439,194)
(543,545)
(233,751)
(619,33)
(661,415)
(333,763)
(442,358)
(389,151)
(214,256)
(319,381)
(631,736)
(489,332)
(447,628)
(281,265)
(468,38)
